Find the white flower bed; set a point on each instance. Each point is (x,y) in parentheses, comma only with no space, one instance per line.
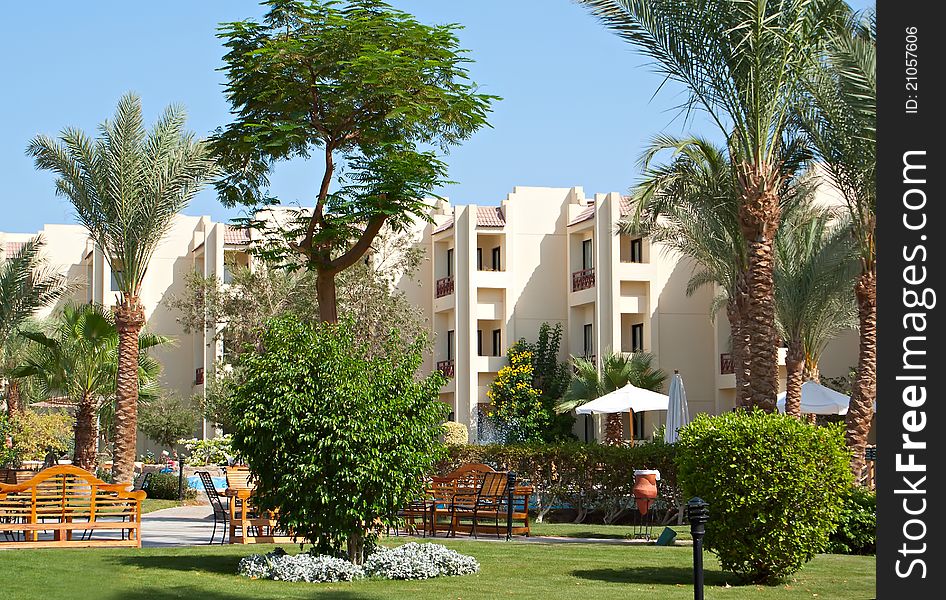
(410,561)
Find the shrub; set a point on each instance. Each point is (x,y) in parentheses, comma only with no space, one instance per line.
(856,532)
(35,434)
(418,561)
(213,451)
(311,568)
(164,486)
(775,486)
(7,452)
(339,438)
(456,434)
(167,419)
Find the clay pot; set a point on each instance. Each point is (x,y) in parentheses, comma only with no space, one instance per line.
(645,490)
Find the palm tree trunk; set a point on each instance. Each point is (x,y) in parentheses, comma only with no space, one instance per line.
(86,433)
(794,367)
(326,294)
(738,350)
(758,219)
(864,390)
(613,429)
(129,320)
(13,398)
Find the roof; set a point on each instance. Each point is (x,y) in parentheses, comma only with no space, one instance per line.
(236,235)
(490,216)
(447,225)
(12,248)
(584,215)
(625,206)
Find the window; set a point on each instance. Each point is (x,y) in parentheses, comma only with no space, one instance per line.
(589,340)
(637,337)
(637,250)
(114,280)
(496,261)
(479,342)
(450,337)
(637,425)
(587,255)
(450,262)
(228,272)
(479,259)
(497,342)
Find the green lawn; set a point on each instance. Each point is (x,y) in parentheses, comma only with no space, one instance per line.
(597,531)
(508,570)
(151,505)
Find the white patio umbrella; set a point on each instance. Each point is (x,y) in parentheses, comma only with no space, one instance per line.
(629,398)
(818,399)
(678,415)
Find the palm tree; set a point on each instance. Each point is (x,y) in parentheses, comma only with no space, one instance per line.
(617,370)
(814,302)
(690,205)
(841,120)
(741,62)
(79,361)
(26,285)
(126,187)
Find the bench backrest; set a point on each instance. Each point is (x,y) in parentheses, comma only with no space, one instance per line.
(238,477)
(470,476)
(67,492)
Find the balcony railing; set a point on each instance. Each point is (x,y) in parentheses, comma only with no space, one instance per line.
(444,287)
(199,376)
(445,367)
(726,365)
(584,279)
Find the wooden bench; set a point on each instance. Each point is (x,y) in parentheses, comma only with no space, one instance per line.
(47,509)
(467,480)
(247,525)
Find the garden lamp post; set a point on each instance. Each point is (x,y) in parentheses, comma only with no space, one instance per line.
(698,513)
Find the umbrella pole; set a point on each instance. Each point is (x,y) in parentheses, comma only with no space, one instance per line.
(630,425)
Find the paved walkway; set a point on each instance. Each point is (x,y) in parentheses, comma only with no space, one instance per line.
(193,525)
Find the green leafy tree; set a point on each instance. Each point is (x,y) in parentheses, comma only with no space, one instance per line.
(743,63)
(337,440)
(126,187)
(26,285)
(78,360)
(364,87)
(517,409)
(618,370)
(35,434)
(167,419)
(814,300)
(775,485)
(551,377)
(840,119)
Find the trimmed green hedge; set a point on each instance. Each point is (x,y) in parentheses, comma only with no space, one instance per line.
(586,477)
(856,533)
(775,486)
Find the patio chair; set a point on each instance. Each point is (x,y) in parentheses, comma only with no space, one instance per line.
(489,501)
(441,492)
(221,510)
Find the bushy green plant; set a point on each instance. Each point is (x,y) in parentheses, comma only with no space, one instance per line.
(212,451)
(165,486)
(35,434)
(856,532)
(338,440)
(775,486)
(517,406)
(456,434)
(166,419)
(7,453)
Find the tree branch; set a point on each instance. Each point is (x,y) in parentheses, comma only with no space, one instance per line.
(361,246)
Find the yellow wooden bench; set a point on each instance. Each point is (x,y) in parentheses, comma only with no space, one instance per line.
(49,508)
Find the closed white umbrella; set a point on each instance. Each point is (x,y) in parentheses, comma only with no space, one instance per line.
(678,414)
(818,399)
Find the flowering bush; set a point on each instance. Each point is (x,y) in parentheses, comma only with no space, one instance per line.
(419,561)
(410,561)
(515,400)
(214,451)
(455,434)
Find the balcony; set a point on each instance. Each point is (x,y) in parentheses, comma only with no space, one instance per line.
(726,365)
(446,367)
(583,280)
(444,287)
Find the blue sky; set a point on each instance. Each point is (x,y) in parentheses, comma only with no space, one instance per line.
(577,106)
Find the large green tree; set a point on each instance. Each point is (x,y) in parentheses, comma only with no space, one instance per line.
(617,370)
(362,86)
(78,360)
(814,299)
(26,285)
(126,187)
(742,63)
(841,121)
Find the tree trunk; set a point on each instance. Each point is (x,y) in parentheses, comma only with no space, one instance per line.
(129,320)
(794,368)
(356,548)
(613,429)
(864,390)
(738,350)
(86,434)
(758,219)
(325,292)
(13,398)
